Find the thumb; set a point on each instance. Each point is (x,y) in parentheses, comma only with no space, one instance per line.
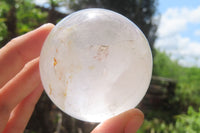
(127,122)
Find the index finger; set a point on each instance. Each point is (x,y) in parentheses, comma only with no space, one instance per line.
(21,50)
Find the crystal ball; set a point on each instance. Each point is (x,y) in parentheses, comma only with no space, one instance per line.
(95,64)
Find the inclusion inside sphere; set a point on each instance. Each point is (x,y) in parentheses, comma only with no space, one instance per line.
(95,64)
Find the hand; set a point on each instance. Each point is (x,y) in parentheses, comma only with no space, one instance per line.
(20,87)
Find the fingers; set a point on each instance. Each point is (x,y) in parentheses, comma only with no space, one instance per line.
(127,122)
(22,113)
(17,89)
(20,50)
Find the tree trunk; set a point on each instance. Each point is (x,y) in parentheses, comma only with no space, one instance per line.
(11,21)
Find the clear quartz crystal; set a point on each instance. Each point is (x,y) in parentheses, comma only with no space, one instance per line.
(95,64)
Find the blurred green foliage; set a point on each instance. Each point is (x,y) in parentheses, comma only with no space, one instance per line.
(165,67)
(3,28)
(187,95)
(28,17)
(184,123)
(188,79)
(18,17)
(189,86)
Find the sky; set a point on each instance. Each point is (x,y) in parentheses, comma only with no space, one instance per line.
(179,30)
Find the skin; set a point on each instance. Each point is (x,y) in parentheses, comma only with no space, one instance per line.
(20,87)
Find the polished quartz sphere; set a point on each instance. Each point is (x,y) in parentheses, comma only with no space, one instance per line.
(95,64)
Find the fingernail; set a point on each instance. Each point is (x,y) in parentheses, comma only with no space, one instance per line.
(44,25)
(134,124)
